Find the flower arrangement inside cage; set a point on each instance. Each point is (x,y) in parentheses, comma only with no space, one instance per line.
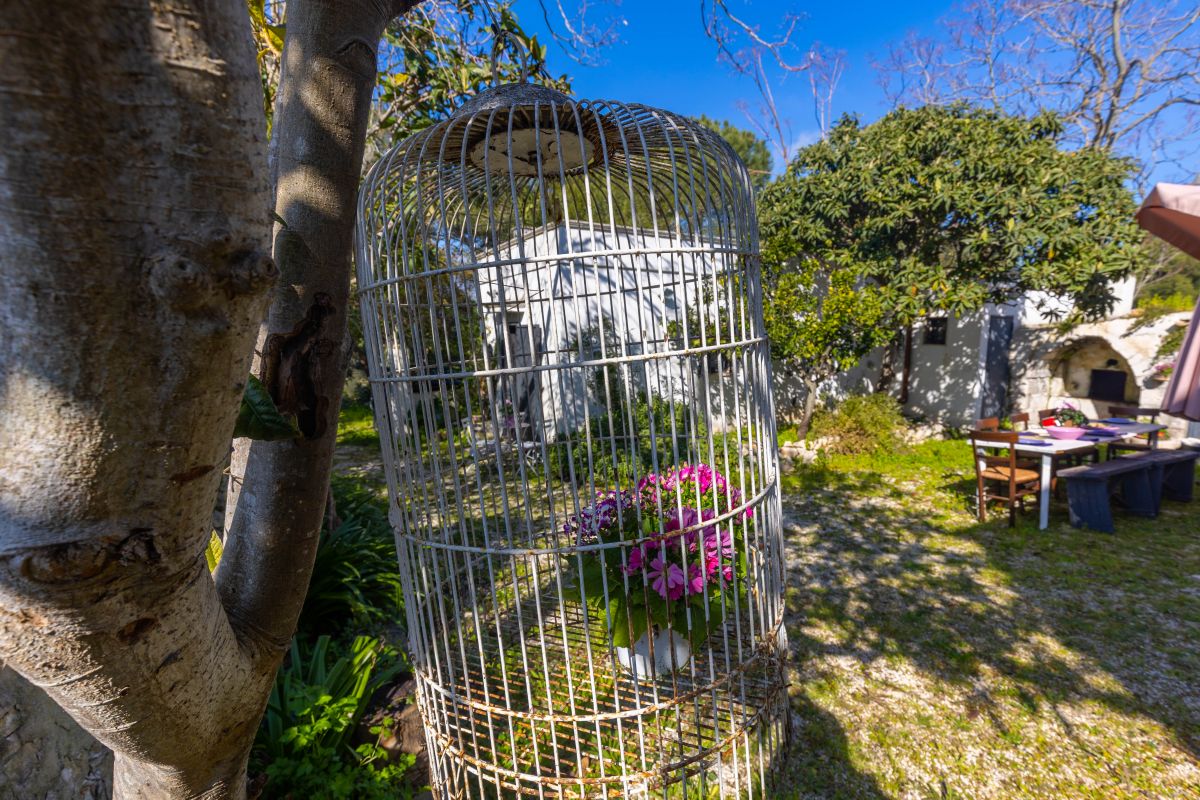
(676,567)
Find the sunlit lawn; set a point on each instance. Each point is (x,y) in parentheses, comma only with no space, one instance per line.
(937,657)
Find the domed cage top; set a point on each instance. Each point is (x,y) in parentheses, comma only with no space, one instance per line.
(562,314)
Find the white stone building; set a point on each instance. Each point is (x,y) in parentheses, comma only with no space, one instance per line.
(1016,357)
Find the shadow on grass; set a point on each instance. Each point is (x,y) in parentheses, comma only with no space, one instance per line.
(884,571)
(817,762)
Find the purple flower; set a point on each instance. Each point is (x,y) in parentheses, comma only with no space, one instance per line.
(718,542)
(666,578)
(638,556)
(696,578)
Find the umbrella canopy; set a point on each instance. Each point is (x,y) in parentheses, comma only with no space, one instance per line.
(1172,213)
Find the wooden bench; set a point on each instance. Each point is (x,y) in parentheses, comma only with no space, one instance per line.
(1172,473)
(1088,496)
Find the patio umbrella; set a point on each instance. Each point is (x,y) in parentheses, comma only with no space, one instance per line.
(1172,213)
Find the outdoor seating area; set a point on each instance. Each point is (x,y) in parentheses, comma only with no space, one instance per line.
(1106,462)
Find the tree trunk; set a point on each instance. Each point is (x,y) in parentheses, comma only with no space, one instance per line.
(277,490)
(133,239)
(887,366)
(134,200)
(810,407)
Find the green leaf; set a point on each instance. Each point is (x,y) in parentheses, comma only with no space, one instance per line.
(620,625)
(275,35)
(212,553)
(258,417)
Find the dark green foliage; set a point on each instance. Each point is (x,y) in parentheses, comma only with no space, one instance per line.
(258,418)
(751,149)
(861,424)
(438,69)
(935,209)
(1069,415)
(356,581)
(304,745)
(1172,342)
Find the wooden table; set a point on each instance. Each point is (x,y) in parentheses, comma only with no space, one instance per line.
(1054,447)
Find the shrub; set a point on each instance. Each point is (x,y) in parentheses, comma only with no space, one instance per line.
(1160,304)
(869,423)
(304,742)
(1154,307)
(356,580)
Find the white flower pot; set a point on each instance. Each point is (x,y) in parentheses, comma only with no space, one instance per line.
(672,652)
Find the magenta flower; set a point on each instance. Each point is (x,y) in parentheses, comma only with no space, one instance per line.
(688,518)
(713,565)
(718,543)
(696,578)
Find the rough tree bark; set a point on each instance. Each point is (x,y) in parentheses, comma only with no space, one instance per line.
(134,199)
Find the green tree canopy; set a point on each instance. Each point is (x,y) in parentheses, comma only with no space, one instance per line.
(751,149)
(936,209)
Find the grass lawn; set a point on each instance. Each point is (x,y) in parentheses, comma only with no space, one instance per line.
(936,657)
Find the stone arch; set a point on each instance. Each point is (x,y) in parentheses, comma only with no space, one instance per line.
(1091,368)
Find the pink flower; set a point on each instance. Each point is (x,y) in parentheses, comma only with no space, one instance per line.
(696,578)
(666,579)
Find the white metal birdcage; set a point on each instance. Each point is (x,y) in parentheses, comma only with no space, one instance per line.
(562,313)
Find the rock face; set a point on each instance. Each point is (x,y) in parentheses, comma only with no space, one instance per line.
(1050,367)
(44,755)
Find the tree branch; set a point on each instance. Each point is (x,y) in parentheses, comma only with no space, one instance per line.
(277,490)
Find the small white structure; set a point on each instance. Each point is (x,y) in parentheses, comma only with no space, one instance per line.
(1015,356)
(546,307)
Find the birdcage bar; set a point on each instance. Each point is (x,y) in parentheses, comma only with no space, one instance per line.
(560,303)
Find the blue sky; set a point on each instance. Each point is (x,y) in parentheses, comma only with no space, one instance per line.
(664,58)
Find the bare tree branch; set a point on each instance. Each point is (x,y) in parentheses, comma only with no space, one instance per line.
(743,46)
(823,78)
(1113,69)
(581,39)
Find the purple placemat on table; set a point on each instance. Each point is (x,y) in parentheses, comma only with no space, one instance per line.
(1034,442)
(1119,421)
(1105,434)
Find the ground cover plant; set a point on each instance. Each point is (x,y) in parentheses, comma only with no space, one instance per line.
(938,657)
